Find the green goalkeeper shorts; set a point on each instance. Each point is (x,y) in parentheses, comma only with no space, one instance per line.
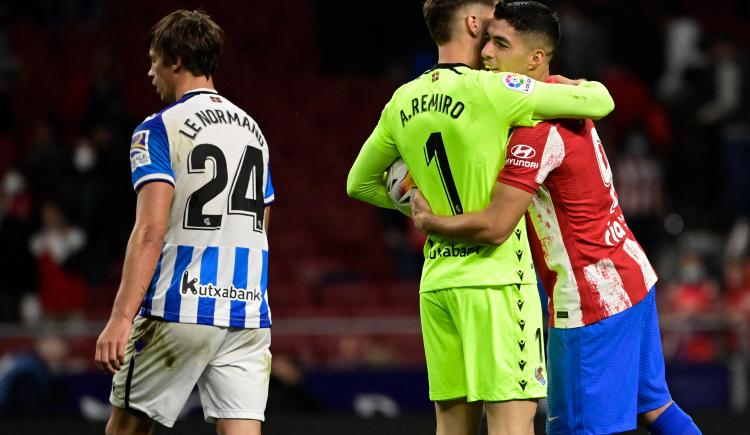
(484,343)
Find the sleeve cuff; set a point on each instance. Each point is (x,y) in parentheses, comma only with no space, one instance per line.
(528,187)
(166,178)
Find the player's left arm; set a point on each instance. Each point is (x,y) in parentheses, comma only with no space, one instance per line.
(365,181)
(522,100)
(491,226)
(584,100)
(143,251)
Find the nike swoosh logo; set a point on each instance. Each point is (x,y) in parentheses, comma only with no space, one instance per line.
(552,418)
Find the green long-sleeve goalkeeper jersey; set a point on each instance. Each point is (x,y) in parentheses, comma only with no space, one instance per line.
(451,126)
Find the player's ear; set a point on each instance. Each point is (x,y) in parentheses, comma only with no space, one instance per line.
(474,25)
(177,65)
(536,58)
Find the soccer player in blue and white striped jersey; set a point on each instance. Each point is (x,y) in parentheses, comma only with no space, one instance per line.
(192,306)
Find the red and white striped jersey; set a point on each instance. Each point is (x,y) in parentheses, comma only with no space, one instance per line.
(589,262)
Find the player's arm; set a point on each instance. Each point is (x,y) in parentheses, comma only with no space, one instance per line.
(491,226)
(268,198)
(143,251)
(523,101)
(365,181)
(586,100)
(511,196)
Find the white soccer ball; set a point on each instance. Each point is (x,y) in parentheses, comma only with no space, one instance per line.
(400,186)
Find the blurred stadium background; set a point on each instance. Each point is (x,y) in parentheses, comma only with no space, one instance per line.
(315,74)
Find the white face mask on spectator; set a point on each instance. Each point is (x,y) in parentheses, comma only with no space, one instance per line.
(691,273)
(13,183)
(84,157)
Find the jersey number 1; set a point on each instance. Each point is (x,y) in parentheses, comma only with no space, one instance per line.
(250,170)
(434,150)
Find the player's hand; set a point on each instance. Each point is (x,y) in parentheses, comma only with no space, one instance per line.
(566,81)
(420,211)
(110,347)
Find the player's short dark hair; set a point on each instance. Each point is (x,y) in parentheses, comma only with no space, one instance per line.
(439,16)
(531,17)
(191,36)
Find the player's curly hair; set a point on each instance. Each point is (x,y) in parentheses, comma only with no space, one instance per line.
(531,17)
(439,16)
(191,36)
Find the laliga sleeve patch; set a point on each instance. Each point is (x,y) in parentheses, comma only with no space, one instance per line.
(518,82)
(139,155)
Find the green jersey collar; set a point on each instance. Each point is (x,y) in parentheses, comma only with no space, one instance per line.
(450,66)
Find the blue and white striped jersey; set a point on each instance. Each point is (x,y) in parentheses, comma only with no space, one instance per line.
(214,264)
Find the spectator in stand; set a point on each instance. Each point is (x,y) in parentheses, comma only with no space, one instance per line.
(55,245)
(729,113)
(691,167)
(737,287)
(636,106)
(639,181)
(682,88)
(681,52)
(106,101)
(737,301)
(287,391)
(16,264)
(694,293)
(84,159)
(349,352)
(404,242)
(583,50)
(47,164)
(100,202)
(29,383)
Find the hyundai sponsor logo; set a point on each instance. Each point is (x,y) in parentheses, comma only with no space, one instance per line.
(523,151)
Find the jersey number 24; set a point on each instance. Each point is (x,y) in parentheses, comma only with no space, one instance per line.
(249,170)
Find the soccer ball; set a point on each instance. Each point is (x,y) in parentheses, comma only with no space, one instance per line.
(400,186)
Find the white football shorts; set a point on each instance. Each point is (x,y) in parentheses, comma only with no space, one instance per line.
(164,361)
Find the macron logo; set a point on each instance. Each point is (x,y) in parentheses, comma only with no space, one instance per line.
(523,151)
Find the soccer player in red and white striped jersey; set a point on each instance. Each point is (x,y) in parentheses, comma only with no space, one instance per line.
(585,254)
(605,362)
